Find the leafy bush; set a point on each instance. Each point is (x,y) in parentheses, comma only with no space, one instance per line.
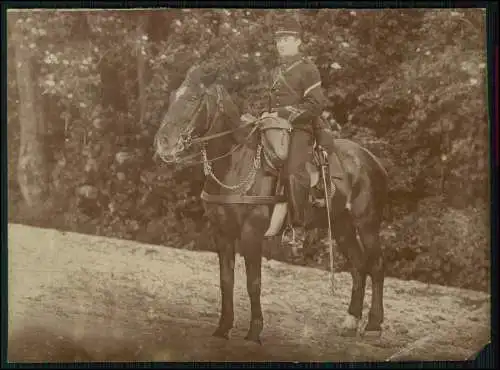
(407,84)
(442,245)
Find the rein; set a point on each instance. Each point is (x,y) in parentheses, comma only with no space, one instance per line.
(203,139)
(245,184)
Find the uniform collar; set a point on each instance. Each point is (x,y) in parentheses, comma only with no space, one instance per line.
(290,59)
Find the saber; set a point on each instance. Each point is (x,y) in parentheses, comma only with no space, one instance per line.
(330,238)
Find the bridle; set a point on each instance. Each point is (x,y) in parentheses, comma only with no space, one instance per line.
(187,140)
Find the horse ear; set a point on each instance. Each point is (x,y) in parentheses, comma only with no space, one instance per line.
(210,75)
(195,73)
(190,70)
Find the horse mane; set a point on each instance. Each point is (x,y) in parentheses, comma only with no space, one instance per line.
(230,108)
(243,146)
(233,114)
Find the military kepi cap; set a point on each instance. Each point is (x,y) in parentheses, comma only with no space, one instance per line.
(288,27)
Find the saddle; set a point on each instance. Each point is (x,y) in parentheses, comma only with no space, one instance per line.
(275,141)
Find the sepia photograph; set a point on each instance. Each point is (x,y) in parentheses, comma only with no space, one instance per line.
(248,185)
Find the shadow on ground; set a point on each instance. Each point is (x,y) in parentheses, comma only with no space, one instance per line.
(165,341)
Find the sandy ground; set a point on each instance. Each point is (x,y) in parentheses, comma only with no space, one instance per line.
(80,297)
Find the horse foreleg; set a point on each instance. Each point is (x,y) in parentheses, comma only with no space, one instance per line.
(251,247)
(253,265)
(226,252)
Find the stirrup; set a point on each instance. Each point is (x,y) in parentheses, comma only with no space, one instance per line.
(289,227)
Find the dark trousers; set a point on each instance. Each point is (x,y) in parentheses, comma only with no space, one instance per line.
(300,152)
(298,182)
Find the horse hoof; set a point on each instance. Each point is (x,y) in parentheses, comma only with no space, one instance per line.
(220,334)
(372,334)
(350,326)
(349,332)
(251,338)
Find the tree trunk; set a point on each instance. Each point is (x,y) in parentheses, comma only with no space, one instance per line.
(268,18)
(141,66)
(32,173)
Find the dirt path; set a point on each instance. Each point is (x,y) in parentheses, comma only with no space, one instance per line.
(74,296)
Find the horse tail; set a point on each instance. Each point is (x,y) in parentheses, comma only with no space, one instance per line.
(379,183)
(376,160)
(376,172)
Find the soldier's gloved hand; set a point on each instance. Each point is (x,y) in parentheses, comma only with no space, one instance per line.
(267,114)
(247,117)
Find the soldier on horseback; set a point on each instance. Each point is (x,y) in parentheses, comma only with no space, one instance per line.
(240,216)
(296,95)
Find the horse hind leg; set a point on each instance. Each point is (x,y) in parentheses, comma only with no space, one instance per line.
(375,268)
(226,253)
(345,235)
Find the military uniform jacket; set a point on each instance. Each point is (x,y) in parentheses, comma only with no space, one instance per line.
(295,92)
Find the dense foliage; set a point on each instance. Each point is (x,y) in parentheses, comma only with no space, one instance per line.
(407,84)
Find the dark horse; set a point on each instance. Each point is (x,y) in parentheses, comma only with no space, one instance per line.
(239,195)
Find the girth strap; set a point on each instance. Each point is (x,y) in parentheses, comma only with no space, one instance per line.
(242,199)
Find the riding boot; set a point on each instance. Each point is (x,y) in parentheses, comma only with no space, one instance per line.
(297,198)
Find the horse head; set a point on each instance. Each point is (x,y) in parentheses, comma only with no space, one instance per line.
(195,112)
